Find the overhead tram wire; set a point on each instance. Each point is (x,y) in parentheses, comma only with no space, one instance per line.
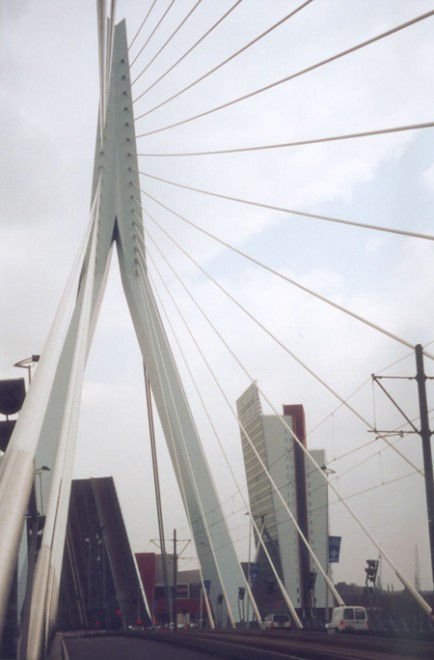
(149,236)
(334,502)
(343,401)
(365,490)
(390,445)
(208,32)
(282,209)
(229,59)
(360,387)
(351,495)
(371,488)
(227,347)
(351,468)
(340,499)
(263,466)
(287,145)
(270,334)
(152,33)
(379,436)
(184,20)
(400,576)
(416,469)
(290,77)
(337,501)
(385,439)
(380,371)
(329,302)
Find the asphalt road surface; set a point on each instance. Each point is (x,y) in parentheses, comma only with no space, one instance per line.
(121,648)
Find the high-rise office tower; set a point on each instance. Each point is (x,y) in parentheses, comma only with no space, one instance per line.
(302,488)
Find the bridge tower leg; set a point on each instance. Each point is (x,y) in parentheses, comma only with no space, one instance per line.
(45,433)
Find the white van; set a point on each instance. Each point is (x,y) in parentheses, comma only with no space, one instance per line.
(348,618)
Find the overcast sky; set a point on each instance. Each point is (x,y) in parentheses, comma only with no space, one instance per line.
(48,111)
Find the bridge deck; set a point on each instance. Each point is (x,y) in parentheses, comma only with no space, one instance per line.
(244,645)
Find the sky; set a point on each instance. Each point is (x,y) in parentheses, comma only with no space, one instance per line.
(48,111)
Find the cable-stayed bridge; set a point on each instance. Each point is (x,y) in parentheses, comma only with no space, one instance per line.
(140,179)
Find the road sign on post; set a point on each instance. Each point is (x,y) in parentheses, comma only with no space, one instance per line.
(254,572)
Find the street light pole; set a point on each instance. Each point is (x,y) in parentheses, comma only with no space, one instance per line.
(249,573)
(28,363)
(88,541)
(425,434)
(327,471)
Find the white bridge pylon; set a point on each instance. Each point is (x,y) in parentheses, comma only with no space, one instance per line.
(45,432)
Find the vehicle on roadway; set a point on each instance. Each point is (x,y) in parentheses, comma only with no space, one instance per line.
(348,618)
(275,621)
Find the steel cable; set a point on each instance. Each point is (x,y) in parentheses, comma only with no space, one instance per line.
(290,77)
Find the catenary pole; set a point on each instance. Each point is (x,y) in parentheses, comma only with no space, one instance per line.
(425,434)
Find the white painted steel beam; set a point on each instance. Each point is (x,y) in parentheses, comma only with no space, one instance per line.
(120,185)
(46,431)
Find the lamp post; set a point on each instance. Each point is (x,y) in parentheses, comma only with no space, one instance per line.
(327,471)
(28,363)
(175,584)
(241,594)
(88,542)
(249,574)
